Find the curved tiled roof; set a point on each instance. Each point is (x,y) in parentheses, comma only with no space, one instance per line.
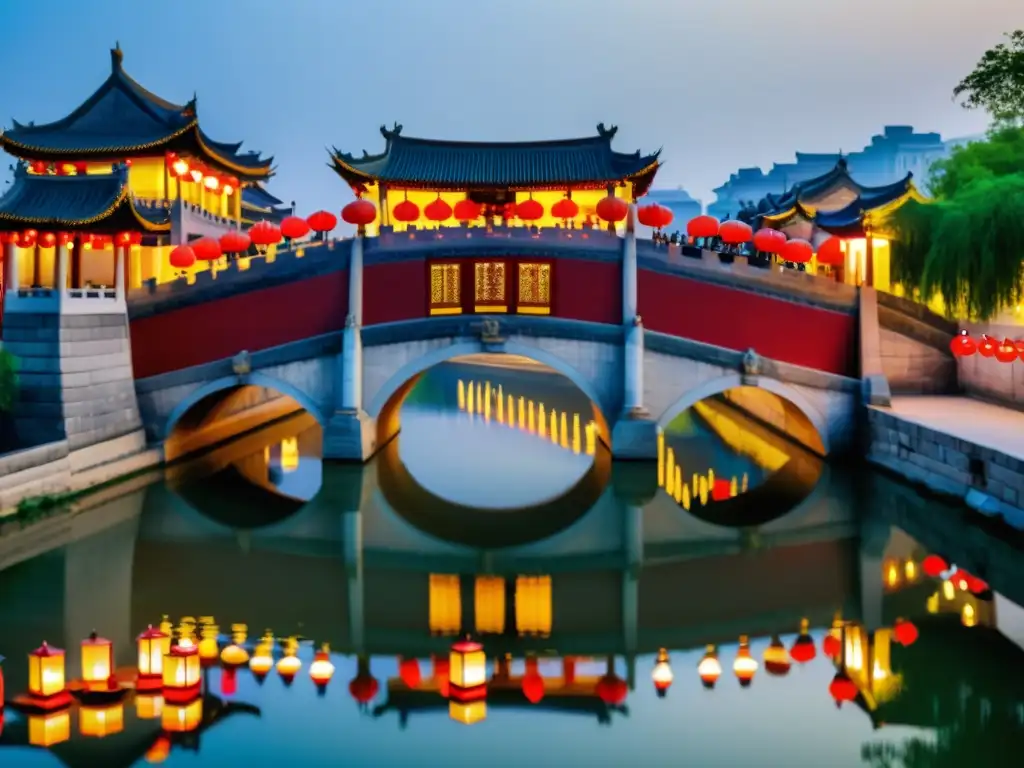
(518,165)
(94,202)
(122,118)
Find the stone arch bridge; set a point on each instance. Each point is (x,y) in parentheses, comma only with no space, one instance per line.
(674,374)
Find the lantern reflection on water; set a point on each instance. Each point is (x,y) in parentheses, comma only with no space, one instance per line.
(97,661)
(468,712)
(235,655)
(776,658)
(181,672)
(182,718)
(149,706)
(322,670)
(153,646)
(709,669)
(662,674)
(745,665)
(289,665)
(262,660)
(103,721)
(49,729)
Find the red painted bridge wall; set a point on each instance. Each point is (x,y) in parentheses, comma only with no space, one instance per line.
(256,320)
(776,329)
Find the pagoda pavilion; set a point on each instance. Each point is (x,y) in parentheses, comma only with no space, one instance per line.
(119,179)
(419,183)
(835,204)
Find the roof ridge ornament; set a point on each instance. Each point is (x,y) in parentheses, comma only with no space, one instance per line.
(396,130)
(116,57)
(607,133)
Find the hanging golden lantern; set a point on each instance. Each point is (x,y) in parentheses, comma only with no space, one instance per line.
(662,674)
(209,646)
(289,665)
(322,670)
(709,669)
(745,665)
(262,660)
(776,658)
(235,655)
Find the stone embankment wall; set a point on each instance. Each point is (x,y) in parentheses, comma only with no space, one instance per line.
(988,480)
(914,348)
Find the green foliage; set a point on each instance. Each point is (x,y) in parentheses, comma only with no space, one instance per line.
(35,508)
(8,380)
(969,249)
(1001,154)
(997,82)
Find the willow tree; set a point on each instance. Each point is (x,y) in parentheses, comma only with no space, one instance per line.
(8,380)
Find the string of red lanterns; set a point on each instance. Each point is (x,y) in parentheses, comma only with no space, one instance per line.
(1005,351)
(30,238)
(196,172)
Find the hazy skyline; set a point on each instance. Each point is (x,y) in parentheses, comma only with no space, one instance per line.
(719,84)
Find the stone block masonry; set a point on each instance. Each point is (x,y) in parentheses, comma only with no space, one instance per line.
(990,480)
(75,379)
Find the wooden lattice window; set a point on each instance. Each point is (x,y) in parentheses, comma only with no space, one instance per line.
(490,287)
(444,289)
(534,289)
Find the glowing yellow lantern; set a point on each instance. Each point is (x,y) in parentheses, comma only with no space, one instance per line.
(181,672)
(468,712)
(98,722)
(745,665)
(969,616)
(182,718)
(180,167)
(211,183)
(97,661)
(46,673)
(776,658)
(148,706)
(662,674)
(235,655)
(208,642)
(262,660)
(153,646)
(289,665)
(322,670)
(468,669)
(49,729)
(709,669)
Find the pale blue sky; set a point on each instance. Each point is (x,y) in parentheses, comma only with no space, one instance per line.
(718,83)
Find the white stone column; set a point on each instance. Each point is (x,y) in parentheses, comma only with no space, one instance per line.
(11,260)
(119,273)
(61,284)
(633,367)
(352,541)
(351,395)
(629,277)
(633,549)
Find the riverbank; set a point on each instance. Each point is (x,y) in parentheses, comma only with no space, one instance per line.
(956,446)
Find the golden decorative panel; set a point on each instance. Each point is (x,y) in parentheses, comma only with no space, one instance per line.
(535,284)
(444,287)
(445,604)
(490,283)
(533,605)
(489,604)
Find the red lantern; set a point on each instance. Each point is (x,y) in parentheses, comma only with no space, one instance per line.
(905,632)
(650,215)
(610,688)
(38,167)
(529,210)
(769,240)
(612,209)
(533,686)
(1006,352)
(467,210)
(702,226)
(963,345)
(323,221)
(735,232)
(830,252)
(974,585)
(442,674)
(264,234)
(28,238)
(8,238)
(406,212)
(207,249)
(934,566)
(803,649)
(831,646)
(235,242)
(229,681)
(81,168)
(409,671)
(438,210)
(666,216)
(294,227)
(720,491)
(182,257)
(47,240)
(987,346)
(565,209)
(359,212)
(363,688)
(797,251)
(842,688)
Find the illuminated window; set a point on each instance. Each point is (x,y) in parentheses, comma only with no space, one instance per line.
(534,289)
(444,289)
(445,604)
(490,287)
(533,605)
(489,604)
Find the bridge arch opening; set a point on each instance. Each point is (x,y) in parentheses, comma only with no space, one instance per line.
(491,430)
(733,451)
(248,439)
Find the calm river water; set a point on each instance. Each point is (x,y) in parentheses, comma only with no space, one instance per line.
(851,621)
